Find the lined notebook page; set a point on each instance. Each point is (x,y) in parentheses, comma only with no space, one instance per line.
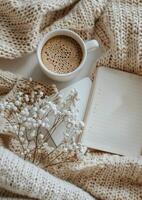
(114,116)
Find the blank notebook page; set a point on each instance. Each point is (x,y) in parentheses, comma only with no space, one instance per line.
(114,115)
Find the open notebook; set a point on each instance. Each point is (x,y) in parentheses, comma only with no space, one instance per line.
(114,115)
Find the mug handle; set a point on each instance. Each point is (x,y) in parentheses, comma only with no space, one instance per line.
(91,45)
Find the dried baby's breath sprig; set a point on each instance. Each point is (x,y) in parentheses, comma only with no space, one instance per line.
(32,120)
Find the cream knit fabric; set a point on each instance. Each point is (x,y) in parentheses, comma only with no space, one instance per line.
(104,176)
(24,178)
(122,24)
(7,82)
(22,23)
(116,24)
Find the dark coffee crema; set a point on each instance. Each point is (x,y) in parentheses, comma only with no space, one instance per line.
(61,54)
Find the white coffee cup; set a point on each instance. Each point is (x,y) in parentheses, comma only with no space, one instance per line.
(85,46)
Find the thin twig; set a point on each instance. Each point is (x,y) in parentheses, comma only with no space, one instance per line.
(65,161)
(57,156)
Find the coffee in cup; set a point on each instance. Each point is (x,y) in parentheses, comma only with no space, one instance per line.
(61,54)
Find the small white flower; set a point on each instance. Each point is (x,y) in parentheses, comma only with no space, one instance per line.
(81,124)
(41,113)
(8,107)
(22,139)
(22,153)
(65,149)
(51,104)
(11,128)
(41,136)
(25,112)
(69,125)
(67,113)
(41,93)
(74,92)
(15,108)
(35,125)
(23,119)
(47,125)
(15,127)
(27,98)
(43,124)
(35,109)
(11,105)
(27,124)
(22,129)
(5,103)
(29,119)
(33,134)
(35,115)
(25,152)
(21,133)
(20,93)
(39,122)
(17,103)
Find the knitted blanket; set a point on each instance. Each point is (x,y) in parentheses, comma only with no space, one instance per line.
(102,175)
(26,179)
(117,25)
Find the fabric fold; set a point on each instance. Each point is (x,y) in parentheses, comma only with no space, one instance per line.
(22,177)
